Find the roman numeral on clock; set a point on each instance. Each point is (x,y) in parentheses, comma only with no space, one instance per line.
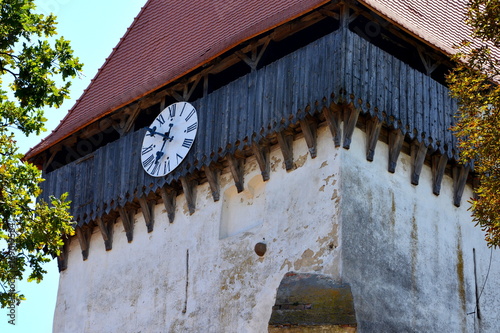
(179,158)
(146,150)
(171,110)
(160,119)
(187,143)
(190,114)
(156,169)
(148,162)
(192,127)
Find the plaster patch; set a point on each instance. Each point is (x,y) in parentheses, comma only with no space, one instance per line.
(324,164)
(309,260)
(275,162)
(300,161)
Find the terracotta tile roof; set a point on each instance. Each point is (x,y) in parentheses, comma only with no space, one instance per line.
(170,38)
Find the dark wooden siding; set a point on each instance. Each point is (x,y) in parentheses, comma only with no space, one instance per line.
(263,102)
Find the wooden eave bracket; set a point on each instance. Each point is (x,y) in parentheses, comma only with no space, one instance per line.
(261,153)
(438,166)
(62,259)
(309,129)
(128,223)
(189,188)
(333,116)
(169,196)
(373,127)
(285,142)
(256,55)
(237,168)
(147,212)
(84,233)
(396,139)
(213,173)
(460,174)
(418,153)
(106,229)
(351,114)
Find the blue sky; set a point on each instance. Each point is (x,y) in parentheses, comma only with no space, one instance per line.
(94,27)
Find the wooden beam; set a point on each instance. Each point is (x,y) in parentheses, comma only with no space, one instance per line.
(147,212)
(460,174)
(438,167)
(128,223)
(333,114)
(84,233)
(285,142)
(309,127)
(62,259)
(350,119)
(418,152)
(106,229)
(189,188)
(213,174)
(373,127)
(396,139)
(262,155)
(169,196)
(236,165)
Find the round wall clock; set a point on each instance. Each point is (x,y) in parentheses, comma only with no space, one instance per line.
(168,139)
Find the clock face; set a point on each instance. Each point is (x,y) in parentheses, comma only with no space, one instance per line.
(169,138)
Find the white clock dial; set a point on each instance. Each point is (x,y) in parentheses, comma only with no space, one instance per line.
(169,138)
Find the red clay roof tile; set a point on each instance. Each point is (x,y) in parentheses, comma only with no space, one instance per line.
(170,38)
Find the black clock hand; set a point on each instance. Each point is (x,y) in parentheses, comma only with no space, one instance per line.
(166,137)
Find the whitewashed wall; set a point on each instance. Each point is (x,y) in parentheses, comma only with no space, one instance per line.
(400,247)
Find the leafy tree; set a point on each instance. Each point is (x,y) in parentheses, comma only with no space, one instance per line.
(31,60)
(474,82)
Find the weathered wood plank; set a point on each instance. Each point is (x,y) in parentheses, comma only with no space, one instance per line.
(439,162)
(169,196)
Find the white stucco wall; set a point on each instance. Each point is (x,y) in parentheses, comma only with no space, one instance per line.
(406,253)
(141,286)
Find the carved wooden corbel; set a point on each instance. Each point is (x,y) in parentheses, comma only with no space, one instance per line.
(285,142)
(84,233)
(438,168)
(189,188)
(147,212)
(333,115)
(62,259)
(373,127)
(169,196)
(418,152)
(351,114)
(396,139)
(128,223)
(309,127)
(460,174)
(262,155)
(106,229)
(236,165)
(213,173)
